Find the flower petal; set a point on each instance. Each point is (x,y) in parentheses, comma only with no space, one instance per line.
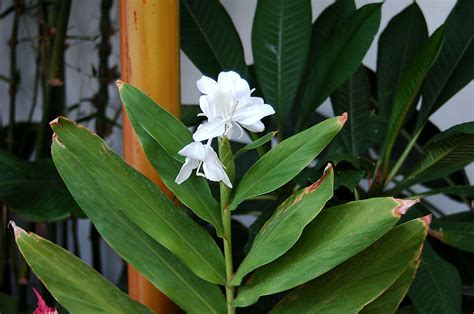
(195,150)
(255,127)
(231,82)
(186,170)
(214,128)
(252,113)
(207,86)
(213,168)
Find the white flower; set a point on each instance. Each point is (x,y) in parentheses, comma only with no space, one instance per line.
(228,105)
(198,155)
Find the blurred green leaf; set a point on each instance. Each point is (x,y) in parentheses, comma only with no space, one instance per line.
(353,97)
(189,115)
(398,46)
(445,153)
(348,178)
(35,190)
(136,197)
(280,41)
(8,304)
(404,97)
(73,283)
(334,236)
(255,144)
(286,160)
(209,38)
(437,285)
(339,57)
(363,278)
(391,298)
(283,229)
(454,68)
(459,234)
(149,121)
(463,190)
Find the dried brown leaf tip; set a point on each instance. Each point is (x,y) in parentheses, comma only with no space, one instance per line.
(16,230)
(316,184)
(343,118)
(55,122)
(427,219)
(119,84)
(403,206)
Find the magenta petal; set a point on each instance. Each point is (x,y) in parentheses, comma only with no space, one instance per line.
(42,307)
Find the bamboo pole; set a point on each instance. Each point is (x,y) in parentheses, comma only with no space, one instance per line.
(149,46)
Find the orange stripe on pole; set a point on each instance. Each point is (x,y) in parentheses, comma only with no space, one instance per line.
(149,49)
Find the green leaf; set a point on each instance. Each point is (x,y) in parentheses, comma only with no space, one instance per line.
(280,41)
(189,115)
(445,153)
(334,236)
(136,197)
(340,57)
(150,121)
(160,266)
(459,234)
(454,67)
(389,301)
(73,283)
(35,190)
(348,178)
(256,144)
(462,190)
(404,97)
(284,228)
(164,127)
(209,38)
(286,160)
(363,278)
(437,285)
(353,97)
(398,45)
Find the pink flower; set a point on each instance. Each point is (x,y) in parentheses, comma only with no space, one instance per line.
(42,307)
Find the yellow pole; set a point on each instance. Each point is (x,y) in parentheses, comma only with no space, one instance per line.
(149,49)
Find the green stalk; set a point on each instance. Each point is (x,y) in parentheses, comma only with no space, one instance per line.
(226,157)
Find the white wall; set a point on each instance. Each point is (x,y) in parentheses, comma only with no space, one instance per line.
(81,55)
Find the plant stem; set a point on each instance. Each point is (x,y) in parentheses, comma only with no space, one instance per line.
(226,157)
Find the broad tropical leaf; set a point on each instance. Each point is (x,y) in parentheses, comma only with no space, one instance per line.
(340,57)
(284,228)
(35,190)
(280,41)
(209,38)
(437,285)
(454,67)
(398,46)
(389,301)
(153,126)
(353,97)
(73,283)
(334,236)
(404,97)
(136,197)
(360,280)
(445,153)
(459,234)
(286,160)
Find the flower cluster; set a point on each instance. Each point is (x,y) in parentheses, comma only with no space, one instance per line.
(229,108)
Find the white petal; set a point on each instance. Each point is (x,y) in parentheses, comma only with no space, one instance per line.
(195,150)
(186,170)
(213,168)
(213,128)
(226,80)
(255,127)
(208,110)
(207,85)
(252,113)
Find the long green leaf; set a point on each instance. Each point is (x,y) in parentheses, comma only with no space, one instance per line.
(159,265)
(138,199)
(454,67)
(445,153)
(462,190)
(255,144)
(437,285)
(398,46)
(73,283)
(340,57)
(153,126)
(455,233)
(404,97)
(209,38)
(286,160)
(389,301)
(336,234)
(353,97)
(363,278)
(280,41)
(284,228)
